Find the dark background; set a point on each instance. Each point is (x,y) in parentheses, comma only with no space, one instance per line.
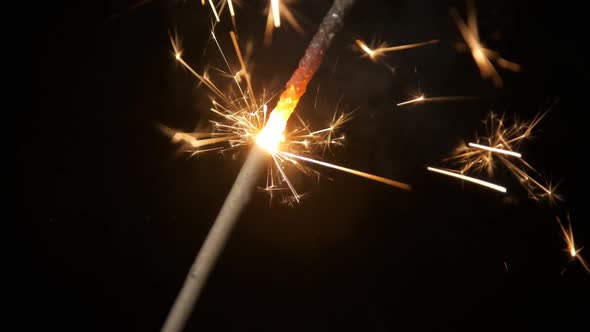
(116,215)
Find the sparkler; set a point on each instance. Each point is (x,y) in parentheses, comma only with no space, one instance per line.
(269,139)
(481,55)
(245,121)
(568,237)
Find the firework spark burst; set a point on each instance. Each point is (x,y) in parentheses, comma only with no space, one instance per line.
(499,147)
(243,120)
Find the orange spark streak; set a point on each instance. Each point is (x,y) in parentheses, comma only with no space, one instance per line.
(364,47)
(423,98)
(482,56)
(568,237)
(379,51)
(411,101)
(351,171)
(231,8)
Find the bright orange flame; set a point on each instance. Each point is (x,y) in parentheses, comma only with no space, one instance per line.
(271,135)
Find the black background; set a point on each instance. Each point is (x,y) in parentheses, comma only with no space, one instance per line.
(117,215)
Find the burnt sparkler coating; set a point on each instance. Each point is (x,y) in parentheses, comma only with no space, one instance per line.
(311,60)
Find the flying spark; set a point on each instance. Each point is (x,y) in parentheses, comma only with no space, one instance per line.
(423,99)
(481,55)
(276,10)
(568,237)
(276,15)
(412,101)
(468,178)
(214,10)
(377,52)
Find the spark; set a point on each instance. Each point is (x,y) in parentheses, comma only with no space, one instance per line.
(365,48)
(497,150)
(448,98)
(276,16)
(412,101)
(468,178)
(243,69)
(219,8)
(481,55)
(498,147)
(214,10)
(375,53)
(351,171)
(422,99)
(568,237)
(276,9)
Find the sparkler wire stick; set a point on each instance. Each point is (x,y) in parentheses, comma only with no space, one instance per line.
(242,188)
(236,200)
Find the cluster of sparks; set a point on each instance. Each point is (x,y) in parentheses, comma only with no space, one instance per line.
(243,120)
(275,10)
(500,147)
(482,56)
